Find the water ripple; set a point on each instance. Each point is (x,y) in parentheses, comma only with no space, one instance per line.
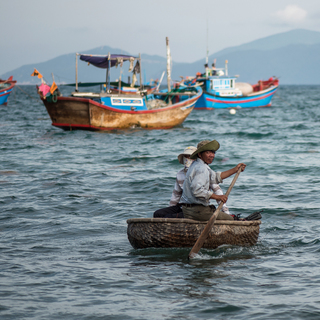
(66,196)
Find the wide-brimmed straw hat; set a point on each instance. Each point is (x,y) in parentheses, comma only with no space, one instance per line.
(187,151)
(205,145)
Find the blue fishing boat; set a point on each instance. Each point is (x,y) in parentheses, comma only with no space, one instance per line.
(6,87)
(221,91)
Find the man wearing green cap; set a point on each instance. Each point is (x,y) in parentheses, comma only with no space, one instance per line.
(196,194)
(174,210)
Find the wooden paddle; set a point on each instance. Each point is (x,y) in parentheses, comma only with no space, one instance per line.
(204,234)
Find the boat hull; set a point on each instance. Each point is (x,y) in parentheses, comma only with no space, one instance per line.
(254,100)
(5,92)
(81,113)
(179,233)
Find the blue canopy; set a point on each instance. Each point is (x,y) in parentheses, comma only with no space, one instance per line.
(103,61)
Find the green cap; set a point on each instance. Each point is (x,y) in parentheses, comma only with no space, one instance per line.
(205,145)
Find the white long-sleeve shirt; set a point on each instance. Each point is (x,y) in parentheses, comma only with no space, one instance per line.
(178,189)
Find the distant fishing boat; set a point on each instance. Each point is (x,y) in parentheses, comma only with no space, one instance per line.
(221,91)
(6,87)
(181,233)
(120,106)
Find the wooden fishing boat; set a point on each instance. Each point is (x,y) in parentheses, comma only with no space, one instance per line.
(178,233)
(88,113)
(221,91)
(121,107)
(6,87)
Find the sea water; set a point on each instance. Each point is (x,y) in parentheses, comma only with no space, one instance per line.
(66,195)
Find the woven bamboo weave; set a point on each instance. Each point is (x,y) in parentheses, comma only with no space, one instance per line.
(177,233)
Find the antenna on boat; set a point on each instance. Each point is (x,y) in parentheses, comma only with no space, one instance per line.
(168,64)
(226,67)
(207,58)
(207,72)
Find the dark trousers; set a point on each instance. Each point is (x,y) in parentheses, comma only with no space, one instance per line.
(203,213)
(169,212)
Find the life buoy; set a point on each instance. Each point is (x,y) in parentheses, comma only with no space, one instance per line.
(54,97)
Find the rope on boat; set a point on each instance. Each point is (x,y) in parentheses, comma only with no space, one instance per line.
(27,93)
(180,90)
(276,95)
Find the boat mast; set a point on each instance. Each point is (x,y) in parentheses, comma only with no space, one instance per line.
(168,64)
(141,86)
(77,72)
(108,74)
(120,78)
(158,86)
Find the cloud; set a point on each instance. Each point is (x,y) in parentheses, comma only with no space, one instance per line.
(291,14)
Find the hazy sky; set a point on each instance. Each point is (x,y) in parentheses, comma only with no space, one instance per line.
(36,31)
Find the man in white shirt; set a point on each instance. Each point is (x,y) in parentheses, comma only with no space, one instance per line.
(197,193)
(174,210)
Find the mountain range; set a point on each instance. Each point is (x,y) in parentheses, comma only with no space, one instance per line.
(293,57)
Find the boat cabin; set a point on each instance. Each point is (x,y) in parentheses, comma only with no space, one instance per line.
(223,86)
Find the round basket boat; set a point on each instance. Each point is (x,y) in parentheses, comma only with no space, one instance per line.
(178,233)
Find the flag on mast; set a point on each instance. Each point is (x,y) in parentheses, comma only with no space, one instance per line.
(36,73)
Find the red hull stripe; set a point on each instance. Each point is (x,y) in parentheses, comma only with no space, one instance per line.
(4,94)
(87,126)
(268,105)
(8,88)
